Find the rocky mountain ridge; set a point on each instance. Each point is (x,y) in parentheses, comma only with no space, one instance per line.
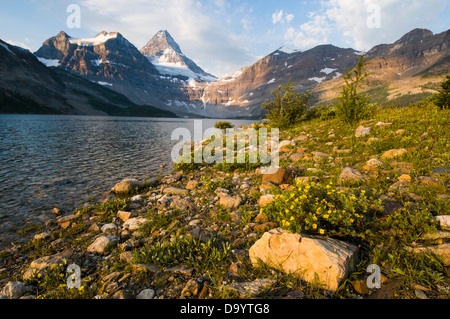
(161,75)
(29,85)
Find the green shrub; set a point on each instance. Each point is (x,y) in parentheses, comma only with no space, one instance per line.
(323,210)
(223,125)
(322,112)
(187,250)
(353,106)
(287,107)
(442,99)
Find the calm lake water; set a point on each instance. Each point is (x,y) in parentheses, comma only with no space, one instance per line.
(61,161)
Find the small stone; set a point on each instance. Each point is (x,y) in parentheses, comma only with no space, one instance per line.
(126,186)
(441,250)
(297,156)
(58,243)
(420,294)
(265,200)
(124,216)
(40,265)
(320,155)
(297,294)
(419,287)
(56,211)
(235,268)
(350,176)
(300,138)
(267,185)
(444,221)
(146,294)
(401,186)
(372,164)
(42,236)
(382,124)
(121,294)
(137,198)
(236,216)
(68,218)
(285,146)
(15,290)
(146,268)
(110,229)
(261,218)
(362,131)
(394,153)
(175,191)
(126,256)
(192,185)
(182,270)
(253,288)
(405,177)
(191,289)
(100,244)
(360,286)
(279,176)
(134,223)
(194,222)
(428,181)
(230,202)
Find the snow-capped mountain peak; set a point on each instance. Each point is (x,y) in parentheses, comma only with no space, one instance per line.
(166,55)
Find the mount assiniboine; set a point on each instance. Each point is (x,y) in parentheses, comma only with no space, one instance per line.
(166,55)
(159,74)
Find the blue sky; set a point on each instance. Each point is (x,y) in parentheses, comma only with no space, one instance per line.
(225,35)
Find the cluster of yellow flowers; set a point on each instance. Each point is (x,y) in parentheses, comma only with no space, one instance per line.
(321,209)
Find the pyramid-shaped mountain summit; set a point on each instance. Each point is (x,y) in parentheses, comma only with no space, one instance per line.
(166,55)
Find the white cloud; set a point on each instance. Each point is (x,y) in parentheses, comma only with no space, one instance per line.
(397,17)
(281,16)
(309,34)
(19,44)
(289,17)
(277,16)
(199,28)
(345,22)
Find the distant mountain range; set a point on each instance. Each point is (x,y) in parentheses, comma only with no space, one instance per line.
(107,72)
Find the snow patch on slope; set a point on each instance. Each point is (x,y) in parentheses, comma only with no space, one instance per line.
(286,50)
(99,39)
(5,46)
(327,70)
(48,62)
(318,80)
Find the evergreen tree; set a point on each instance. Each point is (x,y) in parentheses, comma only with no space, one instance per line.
(353,105)
(442,99)
(287,107)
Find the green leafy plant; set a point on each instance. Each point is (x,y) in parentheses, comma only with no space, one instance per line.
(187,250)
(223,125)
(287,106)
(321,209)
(442,99)
(353,105)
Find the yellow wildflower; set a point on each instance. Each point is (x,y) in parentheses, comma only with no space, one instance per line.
(321,231)
(314,226)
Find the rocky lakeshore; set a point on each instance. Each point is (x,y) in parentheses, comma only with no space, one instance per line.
(344,199)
